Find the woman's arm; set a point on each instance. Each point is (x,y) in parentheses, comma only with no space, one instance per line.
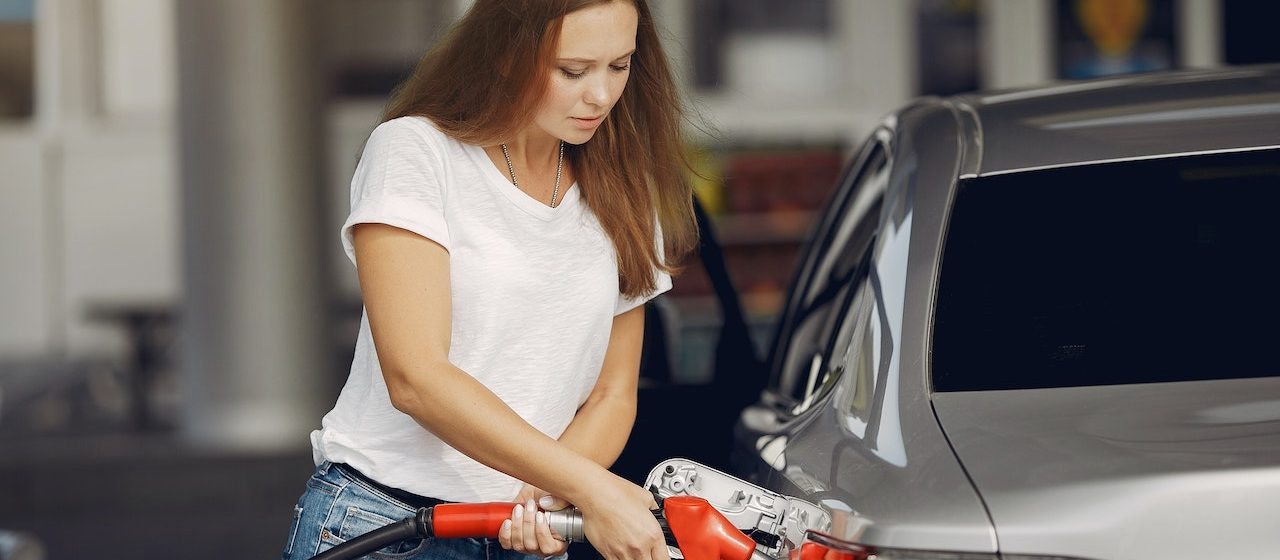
(599,431)
(404,279)
(602,425)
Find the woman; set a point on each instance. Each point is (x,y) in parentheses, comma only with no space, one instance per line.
(523,198)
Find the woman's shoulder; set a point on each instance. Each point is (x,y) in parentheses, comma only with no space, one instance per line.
(415,137)
(409,128)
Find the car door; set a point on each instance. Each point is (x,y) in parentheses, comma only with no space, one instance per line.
(826,315)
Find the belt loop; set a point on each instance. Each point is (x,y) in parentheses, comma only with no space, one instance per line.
(323,468)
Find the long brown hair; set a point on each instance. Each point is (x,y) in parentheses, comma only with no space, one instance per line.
(483,82)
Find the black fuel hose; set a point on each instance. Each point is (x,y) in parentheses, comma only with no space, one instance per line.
(415,527)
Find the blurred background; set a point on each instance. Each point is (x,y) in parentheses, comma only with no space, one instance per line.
(176,313)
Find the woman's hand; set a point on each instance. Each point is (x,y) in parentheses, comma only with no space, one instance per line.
(620,524)
(544,499)
(528,531)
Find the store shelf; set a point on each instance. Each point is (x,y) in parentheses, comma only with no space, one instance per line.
(699,311)
(761,228)
(766,200)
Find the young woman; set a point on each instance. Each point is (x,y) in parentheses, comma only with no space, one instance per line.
(523,198)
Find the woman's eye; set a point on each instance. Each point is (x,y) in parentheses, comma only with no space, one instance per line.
(621,67)
(572,74)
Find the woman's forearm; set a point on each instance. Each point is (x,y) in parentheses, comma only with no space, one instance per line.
(472,419)
(600,429)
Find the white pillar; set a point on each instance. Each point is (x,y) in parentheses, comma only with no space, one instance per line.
(877,50)
(1199,33)
(1017,45)
(675,29)
(68,73)
(254,314)
(136,59)
(67,80)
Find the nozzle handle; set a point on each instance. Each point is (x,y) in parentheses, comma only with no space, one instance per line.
(452,521)
(483,520)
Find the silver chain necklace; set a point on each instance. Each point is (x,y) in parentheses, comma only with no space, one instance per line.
(555,192)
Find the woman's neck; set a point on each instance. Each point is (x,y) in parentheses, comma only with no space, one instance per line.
(534,158)
(534,149)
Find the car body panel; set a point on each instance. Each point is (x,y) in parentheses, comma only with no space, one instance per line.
(897,482)
(1127,117)
(1136,472)
(908,484)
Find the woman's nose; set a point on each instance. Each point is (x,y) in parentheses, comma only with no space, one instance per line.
(598,92)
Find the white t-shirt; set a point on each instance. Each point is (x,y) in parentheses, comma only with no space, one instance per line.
(534,291)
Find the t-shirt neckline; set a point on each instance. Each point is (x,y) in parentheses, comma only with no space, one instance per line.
(518,197)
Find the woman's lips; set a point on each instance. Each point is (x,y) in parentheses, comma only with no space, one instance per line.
(591,122)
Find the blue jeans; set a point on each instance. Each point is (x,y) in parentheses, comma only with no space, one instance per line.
(335,508)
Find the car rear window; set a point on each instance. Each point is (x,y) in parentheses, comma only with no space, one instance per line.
(1132,272)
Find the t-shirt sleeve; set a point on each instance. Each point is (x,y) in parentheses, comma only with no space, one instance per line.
(399,182)
(625,303)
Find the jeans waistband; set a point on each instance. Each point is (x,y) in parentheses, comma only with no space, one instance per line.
(409,498)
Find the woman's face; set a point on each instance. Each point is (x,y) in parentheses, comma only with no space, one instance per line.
(592,63)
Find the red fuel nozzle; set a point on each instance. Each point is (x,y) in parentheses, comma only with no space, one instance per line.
(703,532)
(449,521)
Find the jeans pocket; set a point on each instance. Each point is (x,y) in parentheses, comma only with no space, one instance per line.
(357,521)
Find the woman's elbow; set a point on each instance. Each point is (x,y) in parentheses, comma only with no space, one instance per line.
(621,400)
(406,388)
(403,394)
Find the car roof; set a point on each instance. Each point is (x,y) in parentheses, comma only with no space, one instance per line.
(1128,117)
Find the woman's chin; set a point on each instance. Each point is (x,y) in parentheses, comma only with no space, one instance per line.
(578,137)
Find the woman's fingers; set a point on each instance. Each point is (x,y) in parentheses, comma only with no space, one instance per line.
(660,550)
(551,503)
(549,545)
(515,528)
(504,534)
(527,529)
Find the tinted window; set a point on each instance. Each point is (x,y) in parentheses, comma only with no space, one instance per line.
(1133,272)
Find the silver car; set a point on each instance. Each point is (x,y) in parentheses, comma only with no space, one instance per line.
(1042,324)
